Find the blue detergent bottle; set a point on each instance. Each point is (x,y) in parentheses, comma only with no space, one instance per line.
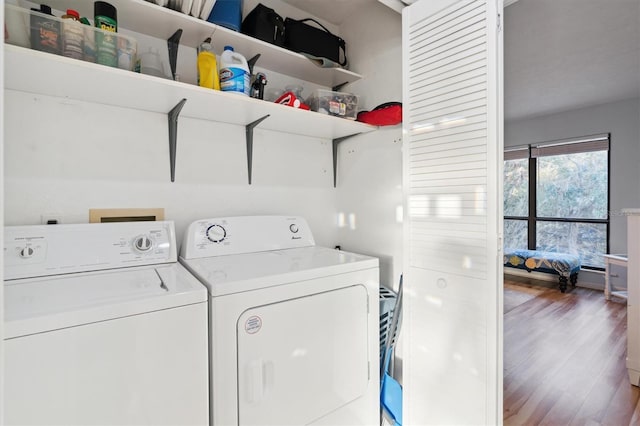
(234,72)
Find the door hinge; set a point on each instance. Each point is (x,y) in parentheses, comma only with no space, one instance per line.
(499,22)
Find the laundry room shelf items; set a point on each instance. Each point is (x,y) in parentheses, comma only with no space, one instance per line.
(161,22)
(64,77)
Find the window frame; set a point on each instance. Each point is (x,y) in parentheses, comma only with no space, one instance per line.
(566,146)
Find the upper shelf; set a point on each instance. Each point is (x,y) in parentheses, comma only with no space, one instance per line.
(160,22)
(84,81)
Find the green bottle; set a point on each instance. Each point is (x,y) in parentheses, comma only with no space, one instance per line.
(106,18)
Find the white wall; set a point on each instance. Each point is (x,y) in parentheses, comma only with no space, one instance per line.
(370,166)
(64,157)
(622,120)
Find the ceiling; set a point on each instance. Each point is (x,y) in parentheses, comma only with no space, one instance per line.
(566,54)
(558,54)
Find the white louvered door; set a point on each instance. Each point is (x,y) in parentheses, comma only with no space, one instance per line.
(452,158)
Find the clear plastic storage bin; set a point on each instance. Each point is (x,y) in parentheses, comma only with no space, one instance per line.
(339,104)
(66,37)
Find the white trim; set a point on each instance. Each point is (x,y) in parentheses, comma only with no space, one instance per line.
(2,221)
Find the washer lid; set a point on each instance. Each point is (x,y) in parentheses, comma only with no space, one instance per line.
(44,304)
(251,271)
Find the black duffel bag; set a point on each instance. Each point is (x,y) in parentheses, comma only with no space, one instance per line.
(314,42)
(265,24)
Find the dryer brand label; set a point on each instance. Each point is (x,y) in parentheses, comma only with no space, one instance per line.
(253,324)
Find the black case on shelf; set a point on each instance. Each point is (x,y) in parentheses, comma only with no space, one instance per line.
(264,24)
(317,42)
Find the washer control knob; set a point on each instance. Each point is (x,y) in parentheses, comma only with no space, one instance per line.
(26,252)
(216,233)
(293,228)
(143,243)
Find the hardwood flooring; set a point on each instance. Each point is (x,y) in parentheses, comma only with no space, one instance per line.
(564,357)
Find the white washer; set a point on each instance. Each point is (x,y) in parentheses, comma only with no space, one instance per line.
(294,327)
(102,326)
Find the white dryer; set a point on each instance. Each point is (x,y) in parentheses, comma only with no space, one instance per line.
(102,326)
(293,326)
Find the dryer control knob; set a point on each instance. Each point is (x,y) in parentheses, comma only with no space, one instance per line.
(293,228)
(26,252)
(143,243)
(216,233)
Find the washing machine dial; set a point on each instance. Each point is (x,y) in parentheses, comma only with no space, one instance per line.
(293,228)
(26,252)
(216,233)
(143,243)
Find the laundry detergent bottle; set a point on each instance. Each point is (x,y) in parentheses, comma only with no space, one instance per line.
(234,72)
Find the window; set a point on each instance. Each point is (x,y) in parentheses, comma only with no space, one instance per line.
(556,198)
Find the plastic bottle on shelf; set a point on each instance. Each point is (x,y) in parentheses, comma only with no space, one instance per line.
(72,35)
(207,66)
(106,18)
(234,72)
(89,47)
(150,63)
(45,32)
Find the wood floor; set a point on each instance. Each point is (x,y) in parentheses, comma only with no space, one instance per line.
(564,358)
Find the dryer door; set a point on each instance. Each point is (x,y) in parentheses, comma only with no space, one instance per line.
(301,359)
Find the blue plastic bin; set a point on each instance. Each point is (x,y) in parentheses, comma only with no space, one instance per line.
(227,13)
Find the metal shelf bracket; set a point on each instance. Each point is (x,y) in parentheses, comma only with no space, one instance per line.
(249,133)
(338,87)
(172,44)
(173,135)
(336,142)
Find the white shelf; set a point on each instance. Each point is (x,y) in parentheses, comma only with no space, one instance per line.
(160,22)
(83,81)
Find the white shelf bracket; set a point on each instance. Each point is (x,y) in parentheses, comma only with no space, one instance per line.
(173,135)
(249,133)
(335,155)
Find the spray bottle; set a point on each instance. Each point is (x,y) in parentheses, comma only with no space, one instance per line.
(207,66)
